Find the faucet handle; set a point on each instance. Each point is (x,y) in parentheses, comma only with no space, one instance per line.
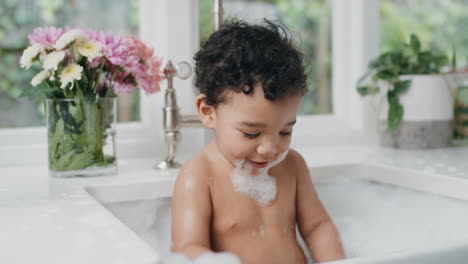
(183,70)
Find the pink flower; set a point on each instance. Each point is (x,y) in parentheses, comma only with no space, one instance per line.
(135,58)
(46,36)
(147,72)
(141,50)
(123,83)
(115,48)
(129,63)
(153,76)
(120,88)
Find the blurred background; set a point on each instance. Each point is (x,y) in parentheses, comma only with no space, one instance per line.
(441,24)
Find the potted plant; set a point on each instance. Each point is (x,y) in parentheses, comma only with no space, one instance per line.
(419,101)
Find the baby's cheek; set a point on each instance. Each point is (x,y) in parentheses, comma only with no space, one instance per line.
(284,146)
(239,150)
(238,155)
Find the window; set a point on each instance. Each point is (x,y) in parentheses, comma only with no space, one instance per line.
(310,24)
(168,26)
(20,17)
(440,25)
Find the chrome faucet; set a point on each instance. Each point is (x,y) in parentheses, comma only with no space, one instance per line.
(173,121)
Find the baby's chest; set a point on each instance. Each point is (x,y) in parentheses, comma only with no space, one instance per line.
(236,212)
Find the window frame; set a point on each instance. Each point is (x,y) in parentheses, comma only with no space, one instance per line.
(355,27)
(355,41)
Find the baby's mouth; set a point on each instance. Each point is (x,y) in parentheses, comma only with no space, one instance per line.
(258,164)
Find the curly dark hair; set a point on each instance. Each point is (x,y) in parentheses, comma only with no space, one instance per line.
(238,56)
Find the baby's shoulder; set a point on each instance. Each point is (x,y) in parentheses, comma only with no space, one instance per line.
(195,170)
(295,164)
(294,161)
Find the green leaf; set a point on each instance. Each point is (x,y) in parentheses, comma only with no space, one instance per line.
(55,143)
(386,75)
(415,43)
(395,115)
(80,161)
(367,90)
(440,60)
(62,160)
(392,96)
(84,83)
(401,87)
(374,64)
(397,58)
(383,60)
(424,59)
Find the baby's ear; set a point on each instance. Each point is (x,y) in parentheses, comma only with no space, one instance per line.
(206,113)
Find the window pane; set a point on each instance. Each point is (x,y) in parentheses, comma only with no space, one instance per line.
(18,18)
(310,23)
(440,25)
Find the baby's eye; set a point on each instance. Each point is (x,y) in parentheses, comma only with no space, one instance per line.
(285,134)
(251,136)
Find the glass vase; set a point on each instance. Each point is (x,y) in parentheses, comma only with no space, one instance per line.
(81,136)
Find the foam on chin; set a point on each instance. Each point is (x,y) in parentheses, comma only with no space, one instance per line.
(255,182)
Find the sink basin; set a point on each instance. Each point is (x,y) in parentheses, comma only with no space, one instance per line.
(384,214)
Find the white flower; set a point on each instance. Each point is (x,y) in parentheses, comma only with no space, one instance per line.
(88,48)
(30,54)
(52,60)
(40,77)
(69,37)
(69,74)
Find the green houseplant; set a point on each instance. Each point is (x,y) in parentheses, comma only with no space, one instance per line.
(415,87)
(405,59)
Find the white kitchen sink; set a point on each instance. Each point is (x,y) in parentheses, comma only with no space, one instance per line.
(384,214)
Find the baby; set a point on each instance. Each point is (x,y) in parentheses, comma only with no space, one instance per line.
(246,190)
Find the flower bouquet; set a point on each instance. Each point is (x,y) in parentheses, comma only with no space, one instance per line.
(81,73)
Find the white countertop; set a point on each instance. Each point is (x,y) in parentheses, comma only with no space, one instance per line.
(51,220)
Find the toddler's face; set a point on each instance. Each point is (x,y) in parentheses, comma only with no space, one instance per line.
(254,129)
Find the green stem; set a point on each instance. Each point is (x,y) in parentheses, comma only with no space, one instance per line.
(99,133)
(66,93)
(112,85)
(95,85)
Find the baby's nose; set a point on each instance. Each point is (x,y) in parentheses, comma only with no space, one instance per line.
(267,150)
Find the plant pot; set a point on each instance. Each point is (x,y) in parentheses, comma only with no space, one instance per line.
(428,114)
(81,137)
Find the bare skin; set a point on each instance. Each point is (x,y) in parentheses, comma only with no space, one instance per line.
(210,216)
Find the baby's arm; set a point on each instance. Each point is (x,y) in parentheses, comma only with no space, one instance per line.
(316,227)
(191,212)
